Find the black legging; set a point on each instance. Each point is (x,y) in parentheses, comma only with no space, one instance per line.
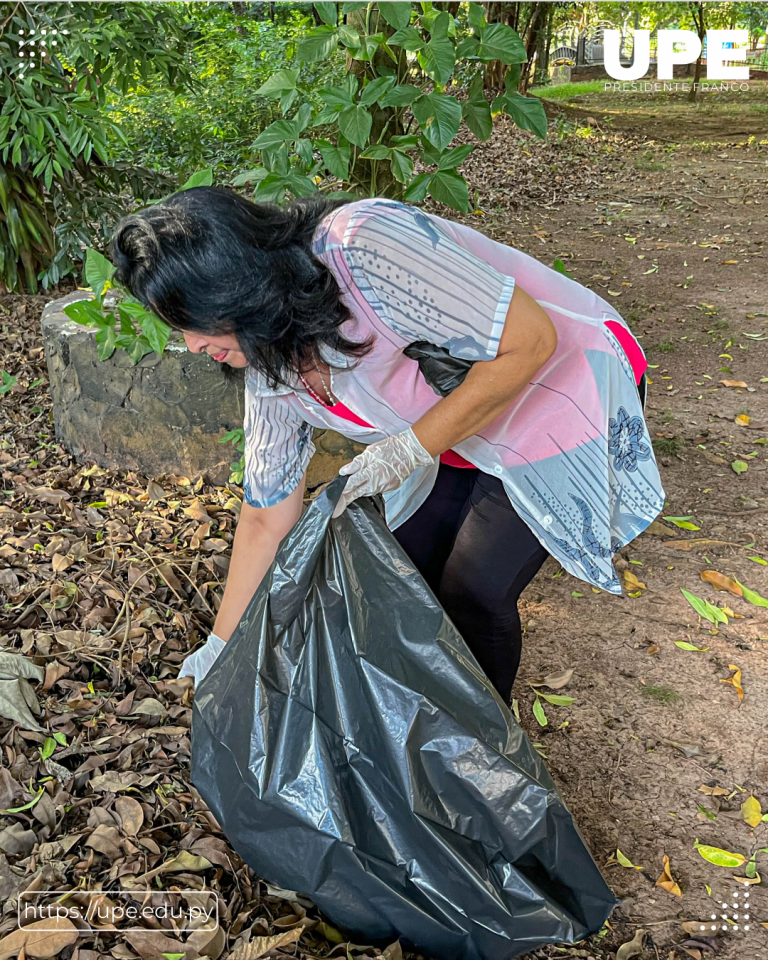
(477,555)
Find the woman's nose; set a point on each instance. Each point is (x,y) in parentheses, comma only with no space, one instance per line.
(194,343)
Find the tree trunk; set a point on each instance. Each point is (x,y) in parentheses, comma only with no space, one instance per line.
(375,176)
(697,12)
(497,12)
(240,9)
(536,24)
(543,47)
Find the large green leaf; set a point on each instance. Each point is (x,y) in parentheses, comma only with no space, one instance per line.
(98,272)
(467,48)
(439,117)
(329,13)
(106,339)
(203,178)
(355,123)
(402,95)
(438,59)
(476,16)
(401,166)
(527,112)
(155,330)
(279,83)
(318,44)
(409,38)
(377,152)
(450,188)
(335,158)
(349,36)
(397,15)
(86,313)
(500,42)
(477,110)
(375,90)
(418,187)
(336,96)
(277,133)
(452,158)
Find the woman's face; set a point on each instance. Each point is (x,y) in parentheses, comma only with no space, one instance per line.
(224,348)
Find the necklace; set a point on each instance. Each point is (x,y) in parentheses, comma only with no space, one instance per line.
(326,403)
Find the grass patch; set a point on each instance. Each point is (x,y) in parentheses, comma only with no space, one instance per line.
(660,694)
(666,346)
(566,91)
(666,446)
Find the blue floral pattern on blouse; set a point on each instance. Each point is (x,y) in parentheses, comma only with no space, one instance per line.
(625,441)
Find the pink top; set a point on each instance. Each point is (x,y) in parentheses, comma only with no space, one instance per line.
(450,457)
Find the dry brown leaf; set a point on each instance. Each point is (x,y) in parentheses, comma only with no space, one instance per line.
(393,952)
(554,681)
(60,562)
(667,882)
(633,947)
(735,680)
(261,945)
(653,649)
(720,582)
(699,543)
(54,671)
(733,383)
(714,791)
(40,940)
(631,582)
(197,512)
(131,815)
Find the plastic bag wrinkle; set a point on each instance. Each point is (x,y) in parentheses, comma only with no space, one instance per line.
(352,749)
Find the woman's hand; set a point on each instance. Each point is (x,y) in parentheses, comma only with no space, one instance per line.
(527,342)
(197,664)
(382,467)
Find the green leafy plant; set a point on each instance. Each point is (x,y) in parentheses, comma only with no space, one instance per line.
(704,608)
(56,180)
(120,320)
(237,467)
(8,381)
(392,109)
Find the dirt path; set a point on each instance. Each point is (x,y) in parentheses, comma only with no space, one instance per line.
(673,235)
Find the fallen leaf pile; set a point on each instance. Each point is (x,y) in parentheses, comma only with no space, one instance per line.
(106,582)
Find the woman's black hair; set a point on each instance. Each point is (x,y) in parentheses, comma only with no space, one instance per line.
(209,261)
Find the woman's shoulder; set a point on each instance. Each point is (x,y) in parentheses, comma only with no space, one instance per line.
(380,215)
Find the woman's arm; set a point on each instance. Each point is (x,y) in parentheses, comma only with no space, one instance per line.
(528,340)
(258,535)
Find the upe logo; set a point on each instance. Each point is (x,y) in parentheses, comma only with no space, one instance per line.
(721,46)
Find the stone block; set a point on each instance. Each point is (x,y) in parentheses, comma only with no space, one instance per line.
(161,416)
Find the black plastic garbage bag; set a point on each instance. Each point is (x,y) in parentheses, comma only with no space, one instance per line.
(352,750)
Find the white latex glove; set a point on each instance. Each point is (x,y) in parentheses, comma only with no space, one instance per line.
(382,467)
(197,664)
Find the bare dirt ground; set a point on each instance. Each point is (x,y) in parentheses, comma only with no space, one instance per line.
(109,577)
(657,751)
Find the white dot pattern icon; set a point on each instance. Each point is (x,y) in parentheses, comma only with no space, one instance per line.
(730,922)
(33,45)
